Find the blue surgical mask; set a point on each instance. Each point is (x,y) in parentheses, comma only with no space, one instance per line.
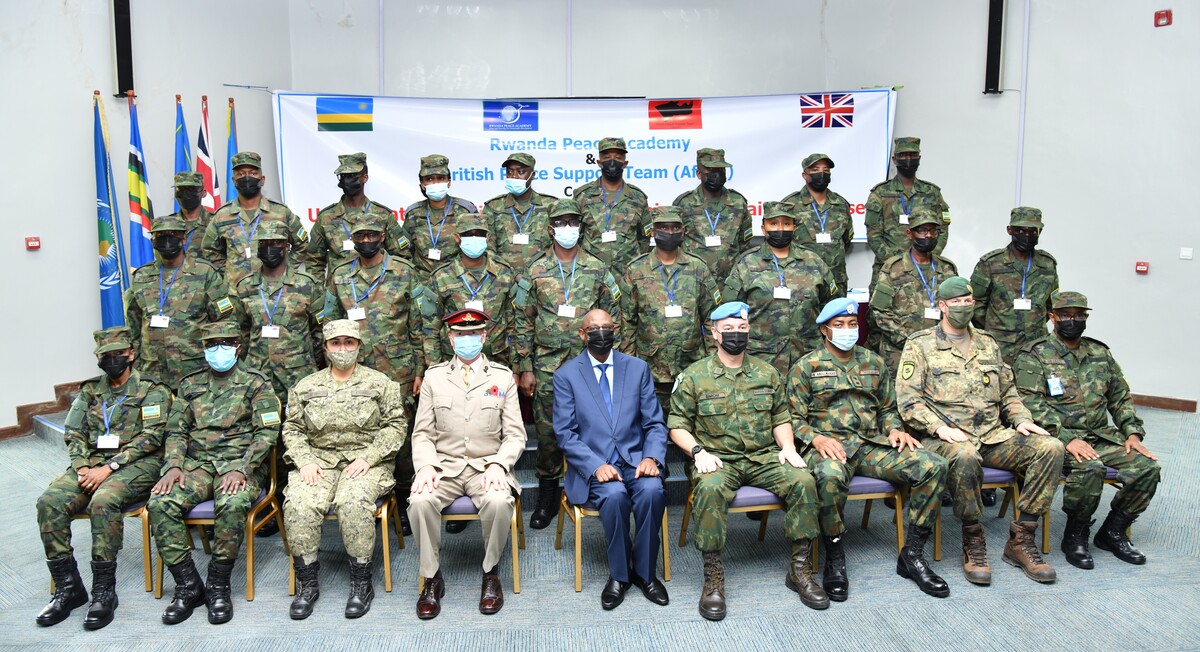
(221,358)
(515,186)
(437,191)
(844,338)
(566,236)
(468,347)
(473,246)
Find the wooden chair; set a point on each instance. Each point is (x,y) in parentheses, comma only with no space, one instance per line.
(868,489)
(577,513)
(746,499)
(463,509)
(385,508)
(992,479)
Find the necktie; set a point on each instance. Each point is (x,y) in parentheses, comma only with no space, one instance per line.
(467,375)
(604,391)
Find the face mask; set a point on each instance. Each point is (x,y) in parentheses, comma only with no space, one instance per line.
(779,239)
(908,167)
(437,191)
(668,241)
(844,338)
(516,187)
(114,365)
(248,186)
(566,236)
(168,246)
(188,200)
(368,249)
(473,246)
(612,169)
(600,342)
(714,180)
(924,245)
(221,358)
(960,316)
(351,185)
(734,342)
(1070,330)
(271,255)
(468,347)
(1024,243)
(818,181)
(342,360)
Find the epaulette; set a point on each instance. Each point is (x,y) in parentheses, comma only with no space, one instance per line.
(329,207)
(993,253)
(1047,254)
(928,183)
(1028,348)
(1092,339)
(413,206)
(471,208)
(492,364)
(681,197)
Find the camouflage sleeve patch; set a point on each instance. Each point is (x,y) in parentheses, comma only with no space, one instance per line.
(882,297)
(301,234)
(225,305)
(270,418)
(151,412)
(613,287)
(716,295)
(402,243)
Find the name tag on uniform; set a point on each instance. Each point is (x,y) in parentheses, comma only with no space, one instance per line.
(520,238)
(904,218)
(933,313)
(475,305)
(824,238)
(108,441)
(357,314)
(1022,304)
(712,241)
(608,236)
(160,321)
(566,311)
(652,242)
(270,331)
(1054,384)
(434,254)
(347,245)
(673,311)
(249,253)
(784,293)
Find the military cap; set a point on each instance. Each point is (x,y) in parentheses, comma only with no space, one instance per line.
(226,329)
(113,338)
(168,223)
(953,287)
(812,159)
(1024,216)
(730,309)
(908,144)
(434,164)
(711,158)
(773,209)
(565,207)
(837,308)
(341,328)
(611,142)
(520,157)
(1067,299)
(188,180)
(367,225)
(467,319)
(351,163)
(271,231)
(924,215)
(470,222)
(665,215)
(246,158)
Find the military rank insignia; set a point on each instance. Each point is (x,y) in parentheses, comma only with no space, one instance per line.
(907,369)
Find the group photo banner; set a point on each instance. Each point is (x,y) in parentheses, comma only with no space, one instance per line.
(765,138)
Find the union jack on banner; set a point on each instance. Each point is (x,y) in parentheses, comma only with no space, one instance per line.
(824,110)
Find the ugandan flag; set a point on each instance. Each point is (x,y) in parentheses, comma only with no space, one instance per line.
(345,113)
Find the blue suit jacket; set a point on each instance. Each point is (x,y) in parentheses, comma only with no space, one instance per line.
(587,434)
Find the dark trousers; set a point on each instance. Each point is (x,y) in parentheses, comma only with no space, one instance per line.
(615,500)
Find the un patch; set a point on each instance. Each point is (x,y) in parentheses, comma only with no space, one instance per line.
(907,369)
(151,412)
(270,418)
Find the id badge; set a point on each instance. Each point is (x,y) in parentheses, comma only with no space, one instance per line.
(475,305)
(520,238)
(673,311)
(653,244)
(357,314)
(933,313)
(347,245)
(608,236)
(904,218)
(249,254)
(434,254)
(160,321)
(1054,384)
(566,311)
(271,332)
(1022,304)
(784,293)
(712,241)
(108,441)
(824,238)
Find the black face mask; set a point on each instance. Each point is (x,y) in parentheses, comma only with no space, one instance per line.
(600,342)
(734,342)
(819,181)
(114,365)
(612,169)
(188,200)
(248,186)
(1024,243)
(779,239)
(924,245)
(714,180)
(351,185)
(668,241)
(908,167)
(271,255)
(1070,330)
(168,246)
(368,249)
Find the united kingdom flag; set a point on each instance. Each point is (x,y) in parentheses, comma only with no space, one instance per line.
(824,110)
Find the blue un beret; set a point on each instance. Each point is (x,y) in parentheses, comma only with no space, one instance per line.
(730,309)
(838,307)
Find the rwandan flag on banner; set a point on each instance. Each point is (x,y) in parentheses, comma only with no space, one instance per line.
(183,149)
(114,276)
(141,212)
(345,113)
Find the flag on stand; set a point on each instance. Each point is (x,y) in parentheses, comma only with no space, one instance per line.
(204,162)
(141,212)
(231,148)
(183,149)
(114,276)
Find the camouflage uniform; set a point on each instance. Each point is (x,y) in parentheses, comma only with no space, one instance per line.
(839,226)
(217,426)
(890,201)
(419,219)
(731,413)
(730,213)
(137,415)
(1001,278)
(625,212)
(854,402)
(195,227)
(937,385)
(507,217)
(188,295)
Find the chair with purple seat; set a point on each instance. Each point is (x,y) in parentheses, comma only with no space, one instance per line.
(386,507)
(992,479)
(745,499)
(1110,478)
(868,489)
(463,509)
(577,513)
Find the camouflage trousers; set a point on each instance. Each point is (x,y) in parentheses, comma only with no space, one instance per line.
(229,515)
(1037,459)
(170,371)
(64,498)
(352,499)
(712,493)
(549,459)
(1137,474)
(922,471)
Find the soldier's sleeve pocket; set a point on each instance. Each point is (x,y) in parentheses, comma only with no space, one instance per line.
(882,297)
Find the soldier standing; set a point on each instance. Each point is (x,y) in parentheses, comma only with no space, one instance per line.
(716,218)
(891,204)
(518,218)
(824,219)
(189,192)
(614,210)
(430,224)
(329,243)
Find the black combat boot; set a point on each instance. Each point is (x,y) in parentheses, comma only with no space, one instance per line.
(1075,543)
(68,591)
(547,502)
(835,581)
(911,563)
(307,589)
(800,576)
(104,595)
(361,591)
(220,606)
(189,593)
(1113,537)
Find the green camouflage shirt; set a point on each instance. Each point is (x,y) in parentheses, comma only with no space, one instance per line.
(625,212)
(885,205)
(734,227)
(507,218)
(227,239)
(329,243)
(192,242)
(453,286)
(431,232)
(839,226)
(295,304)
(852,401)
(997,282)
(137,415)
(330,422)
(899,301)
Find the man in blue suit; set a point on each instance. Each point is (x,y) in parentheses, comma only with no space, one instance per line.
(609,425)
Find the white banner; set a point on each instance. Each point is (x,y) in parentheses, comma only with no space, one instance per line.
(765,139)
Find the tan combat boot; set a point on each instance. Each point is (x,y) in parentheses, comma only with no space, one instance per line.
(800,576)
(712,596)
(975,562)
(1022,551)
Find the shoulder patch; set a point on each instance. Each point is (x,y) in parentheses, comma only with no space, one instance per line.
(150,412)
(224,305)
(946,217)
(716,295)
(412,207)
(402,243)
(301,234)
(270,418)
(907,369)
(471,208)
(992,254)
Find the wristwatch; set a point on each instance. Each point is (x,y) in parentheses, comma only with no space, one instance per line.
(114,466)
(696,449)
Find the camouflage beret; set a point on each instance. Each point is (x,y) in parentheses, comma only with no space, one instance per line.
(520,157)
(113,338)
(351,163)
(188,180)
(665,214)
(908,144)
(813,159)
(168,223)
(611,143)
(711,158)
(1067,299)
(773,209)
(924,215)
(272,230)
(470,222)
(1024,216)
(246,158)
(565,207)
(953,287)
(220,330)
(341,328)
(434,164)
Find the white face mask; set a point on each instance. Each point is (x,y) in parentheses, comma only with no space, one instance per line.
(843,338)
(566,236)
(437,191)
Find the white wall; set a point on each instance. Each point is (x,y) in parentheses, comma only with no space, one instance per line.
(1109,149)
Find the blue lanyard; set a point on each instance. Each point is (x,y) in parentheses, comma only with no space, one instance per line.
(270,311)
(187,243)
(821,217)
(607,206)
(107,413)
(521,223)
(563,275)
(674,283)
(163,294)
(475,290)
(932,266)
(775,261)
(354,283)
(434,238)
(711,222)
(366,209)
(1025,273)
(904,205)
(253,227)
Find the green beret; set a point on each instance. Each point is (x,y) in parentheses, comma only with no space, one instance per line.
(434,164)
(908,144)
(1060,300)
(665,215)
(522,158)
(711,158)
(565,207)
(188,180)
(351,163)
(813,159)
(1024,216)
(220,330)
(953,287)
(924,215)
(246,158)
(168,223)
(113,338)
(611,143)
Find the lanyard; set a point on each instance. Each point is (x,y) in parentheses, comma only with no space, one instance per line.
(475,290)
(366,209)
(607,206)
(821,217)
(163,294)
(253,227)
(933,267)
(107,413)
(434,238)
(711,222)
(354,283)
(521,223)
(270,311)
(1025,273)
(778,270)
(563,275)
(904,207)
(674,283)
(187,243)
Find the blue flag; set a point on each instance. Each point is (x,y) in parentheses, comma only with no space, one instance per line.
(183,149)
(231,148)
(141,211)
(114,275)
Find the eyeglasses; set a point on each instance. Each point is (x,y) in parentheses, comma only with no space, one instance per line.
(596,329)
(220,342)
(559,223)
(927,231)
(1083,317)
